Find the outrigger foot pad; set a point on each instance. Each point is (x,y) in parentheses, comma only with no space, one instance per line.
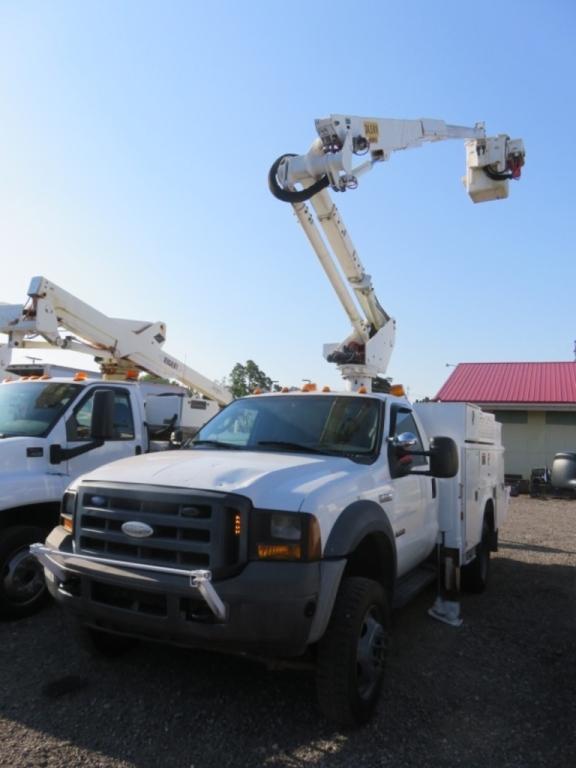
(447,611)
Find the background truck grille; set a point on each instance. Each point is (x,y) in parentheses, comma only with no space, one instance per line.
(190,529)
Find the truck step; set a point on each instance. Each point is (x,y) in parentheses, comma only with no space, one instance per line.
(410,585)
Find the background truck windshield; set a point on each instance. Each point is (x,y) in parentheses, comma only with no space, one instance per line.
(313,423)
(30,409)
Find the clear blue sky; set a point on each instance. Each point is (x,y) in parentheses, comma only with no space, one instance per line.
(135,139)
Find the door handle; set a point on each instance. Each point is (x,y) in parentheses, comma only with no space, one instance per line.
(388,496)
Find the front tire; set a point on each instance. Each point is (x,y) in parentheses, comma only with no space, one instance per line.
(352,653)
(23,589)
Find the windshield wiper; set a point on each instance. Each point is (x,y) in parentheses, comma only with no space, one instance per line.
(218,444)
(289,446)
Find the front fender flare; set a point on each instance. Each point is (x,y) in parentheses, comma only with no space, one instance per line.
(355,523)
(358,520)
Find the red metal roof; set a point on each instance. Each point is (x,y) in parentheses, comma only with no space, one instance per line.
(511,383)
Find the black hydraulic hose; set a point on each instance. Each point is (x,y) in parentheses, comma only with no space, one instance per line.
(497,175)
(292,195)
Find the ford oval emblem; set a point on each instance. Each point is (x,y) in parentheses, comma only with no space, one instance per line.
(137,530)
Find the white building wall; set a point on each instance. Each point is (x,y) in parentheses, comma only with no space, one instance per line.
(534,443)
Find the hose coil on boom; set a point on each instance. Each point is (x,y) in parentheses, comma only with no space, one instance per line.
(293,195)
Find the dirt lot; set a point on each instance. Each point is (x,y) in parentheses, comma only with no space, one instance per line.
(499,691)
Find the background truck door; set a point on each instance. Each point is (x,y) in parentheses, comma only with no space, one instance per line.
(127,435)
(415,518)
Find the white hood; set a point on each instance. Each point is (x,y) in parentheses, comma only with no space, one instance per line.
(270,480)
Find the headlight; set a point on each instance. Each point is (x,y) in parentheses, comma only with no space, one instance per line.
(285,526)
(284,536)
(67,510)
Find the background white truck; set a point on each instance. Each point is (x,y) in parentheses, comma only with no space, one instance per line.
(54,429)
(295,521)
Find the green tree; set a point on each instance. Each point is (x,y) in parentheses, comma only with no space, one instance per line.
(151,379)
(244,379)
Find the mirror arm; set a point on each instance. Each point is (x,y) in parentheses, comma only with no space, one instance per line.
(59,454)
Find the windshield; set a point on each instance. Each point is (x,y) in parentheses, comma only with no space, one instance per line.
(335,425)
(30,409)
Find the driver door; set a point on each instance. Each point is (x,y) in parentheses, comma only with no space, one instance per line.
(413,505)
(126,433)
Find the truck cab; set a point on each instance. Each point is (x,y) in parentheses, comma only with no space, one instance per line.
(48,437)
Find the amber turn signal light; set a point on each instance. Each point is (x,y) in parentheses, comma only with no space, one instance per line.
(279,551)
(66,523)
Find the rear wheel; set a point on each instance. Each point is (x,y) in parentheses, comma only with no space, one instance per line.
(475,574)
(352,654)
(22,587)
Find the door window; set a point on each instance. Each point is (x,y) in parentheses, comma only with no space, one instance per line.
(78,425)
(402,420)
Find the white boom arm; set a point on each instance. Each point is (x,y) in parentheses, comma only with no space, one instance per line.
(118,344)
(491,162)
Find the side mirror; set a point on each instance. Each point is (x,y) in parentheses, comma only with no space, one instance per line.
(176,439)
(404,442)
(102,424)
(400,453)
(443,457)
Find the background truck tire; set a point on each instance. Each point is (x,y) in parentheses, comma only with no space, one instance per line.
(352,653)
(475,574)
(22,587)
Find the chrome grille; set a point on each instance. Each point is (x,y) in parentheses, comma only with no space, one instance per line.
(189,529)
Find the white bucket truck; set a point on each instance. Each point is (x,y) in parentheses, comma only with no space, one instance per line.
(53,429)
(296,520)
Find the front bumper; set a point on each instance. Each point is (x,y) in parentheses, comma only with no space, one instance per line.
(266,609)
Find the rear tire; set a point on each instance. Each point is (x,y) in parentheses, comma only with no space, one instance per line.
(23,589)
(475,574)
(352,653)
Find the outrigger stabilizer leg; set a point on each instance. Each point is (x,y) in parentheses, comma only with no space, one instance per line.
(446,607)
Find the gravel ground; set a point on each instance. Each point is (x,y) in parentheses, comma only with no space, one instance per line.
(499,691)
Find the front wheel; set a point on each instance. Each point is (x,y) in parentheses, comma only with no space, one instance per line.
(22,586)
(352,653)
